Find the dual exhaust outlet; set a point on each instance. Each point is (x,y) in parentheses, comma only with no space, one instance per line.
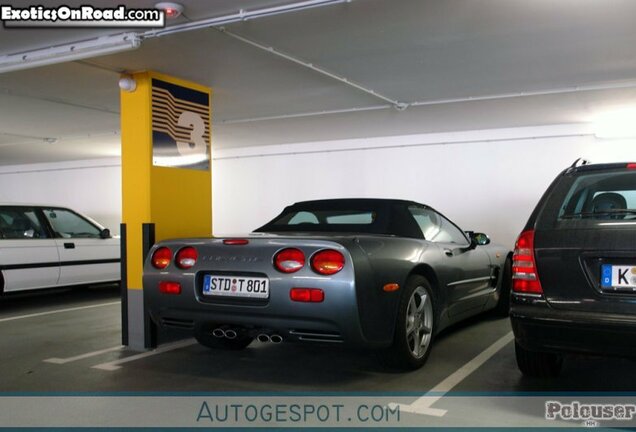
(221,333)
(264,337)
(232,334)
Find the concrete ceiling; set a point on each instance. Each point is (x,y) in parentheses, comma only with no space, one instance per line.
(409,50)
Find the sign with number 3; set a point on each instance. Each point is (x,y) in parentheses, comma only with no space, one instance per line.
(180,126)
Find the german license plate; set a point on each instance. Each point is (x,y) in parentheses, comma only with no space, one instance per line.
(618,276)
(236,286)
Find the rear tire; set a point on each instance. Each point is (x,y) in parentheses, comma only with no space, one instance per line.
(415,326)
(502,308)
(538,364)
(203,335)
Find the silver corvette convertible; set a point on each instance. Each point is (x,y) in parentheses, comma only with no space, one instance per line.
(374,273)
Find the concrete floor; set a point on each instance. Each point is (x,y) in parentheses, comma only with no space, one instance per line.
(92,330)
(68,342)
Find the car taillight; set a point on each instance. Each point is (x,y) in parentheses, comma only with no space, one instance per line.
(186,258)
(525,279)
(307,295)
(235,242)
(289,260)
(327,262)
(631,166)
(173,288)
(161,258)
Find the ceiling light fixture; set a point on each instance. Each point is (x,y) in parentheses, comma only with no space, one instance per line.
(172,10)
(616,124)
(126,41)
(103,45)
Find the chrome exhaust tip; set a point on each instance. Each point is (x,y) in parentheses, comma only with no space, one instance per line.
(276,338)
(230,334)
(218,332)
(263,338)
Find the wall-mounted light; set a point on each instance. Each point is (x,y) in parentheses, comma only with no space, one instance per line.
(616,123)
(127,83)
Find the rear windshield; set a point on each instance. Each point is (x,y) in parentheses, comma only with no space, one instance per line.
(590,199)
(338,219)
(327,217)
(350,216)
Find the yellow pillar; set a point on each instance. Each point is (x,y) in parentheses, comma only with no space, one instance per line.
(166,177)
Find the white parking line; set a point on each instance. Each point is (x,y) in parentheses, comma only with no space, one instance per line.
(57,311)
(114,365)
(423,404)
(56,360)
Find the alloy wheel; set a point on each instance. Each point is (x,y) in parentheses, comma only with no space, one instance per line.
(419,322)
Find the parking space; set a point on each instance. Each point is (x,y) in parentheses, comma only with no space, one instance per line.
(70,341)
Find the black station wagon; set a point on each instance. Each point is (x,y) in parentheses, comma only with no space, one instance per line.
(574,269)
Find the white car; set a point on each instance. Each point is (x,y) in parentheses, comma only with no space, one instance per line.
(49,246)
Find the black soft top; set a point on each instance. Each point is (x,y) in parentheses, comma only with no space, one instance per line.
(391,217)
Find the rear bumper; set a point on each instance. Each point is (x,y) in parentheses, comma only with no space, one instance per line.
(538,327)
(354,311)
(335,320)
(292,329)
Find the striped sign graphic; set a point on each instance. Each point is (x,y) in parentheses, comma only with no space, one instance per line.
(180,126)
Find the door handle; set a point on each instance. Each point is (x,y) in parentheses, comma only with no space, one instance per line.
(448,252)
(69,245)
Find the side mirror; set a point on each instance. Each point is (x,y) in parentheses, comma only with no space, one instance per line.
(477,239)
(105,233)
(481,239)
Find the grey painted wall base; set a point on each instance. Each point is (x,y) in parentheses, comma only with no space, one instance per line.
(136,320)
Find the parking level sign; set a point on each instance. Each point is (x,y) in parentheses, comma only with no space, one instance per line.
(180,126)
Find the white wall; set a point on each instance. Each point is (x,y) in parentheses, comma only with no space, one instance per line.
(483,180)
(90,187)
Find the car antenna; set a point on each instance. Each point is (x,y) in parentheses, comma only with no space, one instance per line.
(580,162)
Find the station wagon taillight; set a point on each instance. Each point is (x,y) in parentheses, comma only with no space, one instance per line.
(186,258)
(161,258)
(525,279)
(327,262)
(289,260)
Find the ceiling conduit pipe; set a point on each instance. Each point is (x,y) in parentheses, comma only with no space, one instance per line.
(395,103)
(241,15)
(432,102)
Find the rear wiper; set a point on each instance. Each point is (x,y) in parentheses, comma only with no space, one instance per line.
(609,212)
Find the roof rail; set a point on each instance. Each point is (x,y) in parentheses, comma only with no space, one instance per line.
(580,162)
